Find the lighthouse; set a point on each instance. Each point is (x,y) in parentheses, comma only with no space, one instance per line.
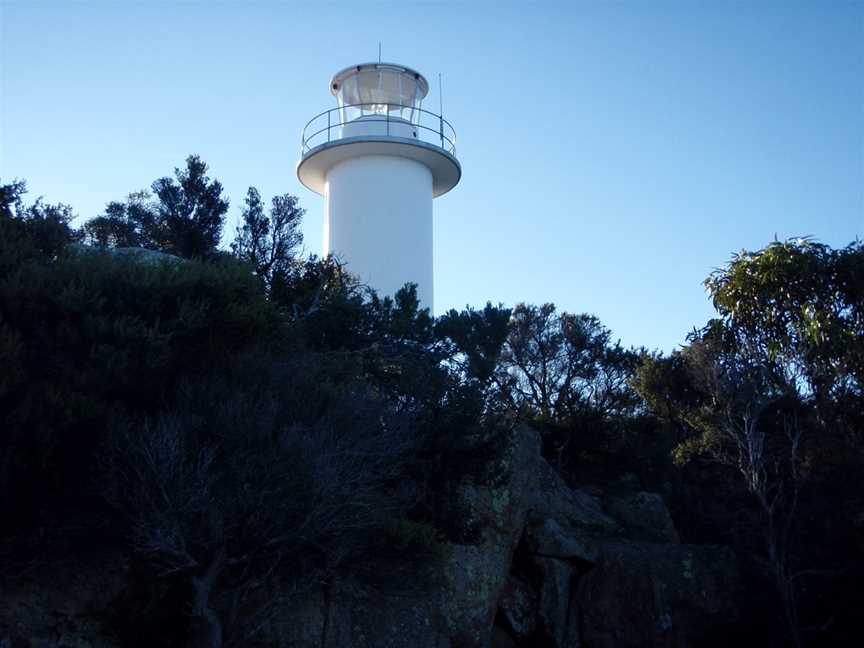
(379,158)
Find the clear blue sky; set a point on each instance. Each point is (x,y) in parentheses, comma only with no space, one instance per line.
(613,153)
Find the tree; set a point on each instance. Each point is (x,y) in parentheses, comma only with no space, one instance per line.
(122,224)
(273,471)
(563,373)
(560,367)
(475,340)
(183,215)
(799,305)
(772,391)
(269,242)
(10,198)
(734,413)
(35,233)
(400,318)
(189,211)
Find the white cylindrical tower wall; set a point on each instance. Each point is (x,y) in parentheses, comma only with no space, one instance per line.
(379,222)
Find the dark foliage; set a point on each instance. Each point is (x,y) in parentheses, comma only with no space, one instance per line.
(129,379)
(475,340)
(268,466)
(120,225)
(765,404)
(183,216)
(37,232)
(234,421)
(85,335)
(269,242)
(563,373)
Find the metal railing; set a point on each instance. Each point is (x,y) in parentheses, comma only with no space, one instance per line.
(427,126)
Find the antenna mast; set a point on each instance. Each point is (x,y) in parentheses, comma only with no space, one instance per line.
(441,109)
(440,95)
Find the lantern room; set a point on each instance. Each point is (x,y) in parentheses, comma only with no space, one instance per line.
(385,89)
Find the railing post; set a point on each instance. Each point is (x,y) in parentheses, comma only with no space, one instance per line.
(328,126)
(388,120)
(441,129)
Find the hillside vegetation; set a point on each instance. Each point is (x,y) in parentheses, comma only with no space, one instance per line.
(230,425)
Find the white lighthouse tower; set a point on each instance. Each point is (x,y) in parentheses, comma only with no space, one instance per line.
(379,159)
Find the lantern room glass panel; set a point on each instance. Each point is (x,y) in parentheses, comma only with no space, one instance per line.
(379,90)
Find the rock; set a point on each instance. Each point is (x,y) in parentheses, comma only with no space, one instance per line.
(645,516)
(517,609)
(617,576)
(500,639)
(549,566)
(367,618)
(553,498)
(345,614)
(556,620)
(140,255)
(663,595)
(546,537)
(476,574)
(458,607)
(565,523)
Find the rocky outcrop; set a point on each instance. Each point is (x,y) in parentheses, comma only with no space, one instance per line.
(612,572)
(564,567)
(564,523)
(645,516)
(648,594)
(552,566)
(140,255)
(476,574)
(518,609)
(457,606)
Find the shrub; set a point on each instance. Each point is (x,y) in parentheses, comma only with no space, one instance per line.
(93,334)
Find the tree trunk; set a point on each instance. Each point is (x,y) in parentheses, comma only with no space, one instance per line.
(205,628)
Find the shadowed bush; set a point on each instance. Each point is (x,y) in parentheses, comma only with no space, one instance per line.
(90,335)
(268,466)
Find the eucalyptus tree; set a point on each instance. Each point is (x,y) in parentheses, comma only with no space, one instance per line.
(772,390)
(799,306)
